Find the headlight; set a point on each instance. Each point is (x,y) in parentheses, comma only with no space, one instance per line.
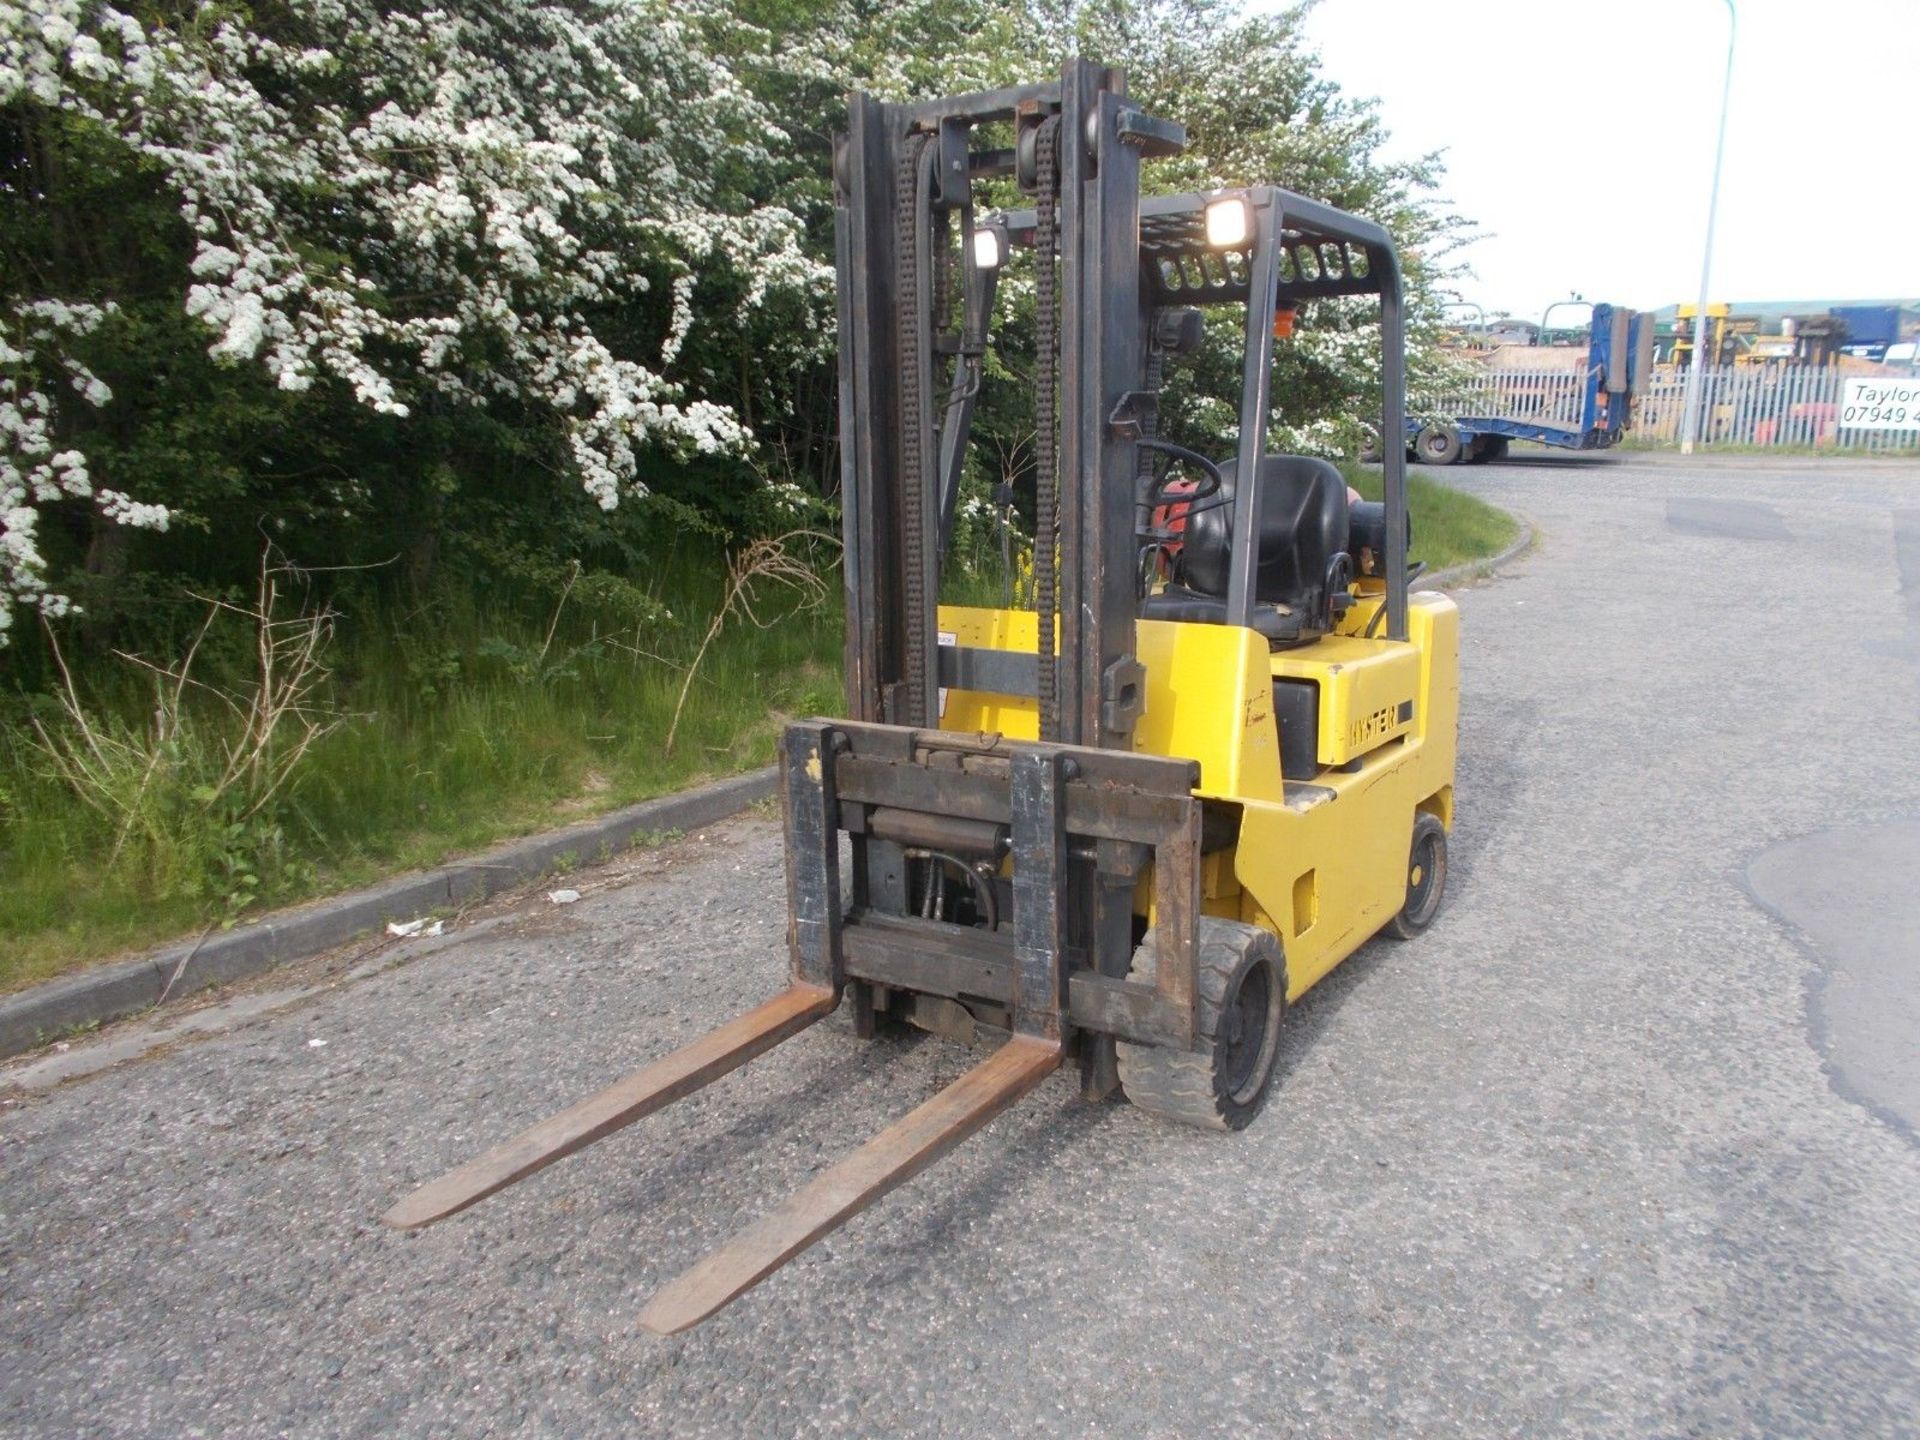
(1228,223)
(989,247)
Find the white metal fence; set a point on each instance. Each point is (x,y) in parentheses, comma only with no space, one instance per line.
(1762,406)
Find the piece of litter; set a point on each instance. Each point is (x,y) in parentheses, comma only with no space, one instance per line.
(563,897)
(404,928)
(316,1043)
(437,928)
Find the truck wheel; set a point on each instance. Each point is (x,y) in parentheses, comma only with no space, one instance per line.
(1496,447)
(1426,878)
(1371,452)
(1437,444)
(1240,995)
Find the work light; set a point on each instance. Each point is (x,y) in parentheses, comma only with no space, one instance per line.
(989,247)
(1228,223)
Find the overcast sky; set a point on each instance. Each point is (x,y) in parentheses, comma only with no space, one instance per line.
(1580,137)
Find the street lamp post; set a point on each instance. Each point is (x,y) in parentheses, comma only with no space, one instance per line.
(1690,417)
(1473,305)
(1547,313)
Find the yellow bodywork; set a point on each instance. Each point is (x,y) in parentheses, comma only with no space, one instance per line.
(1322,863)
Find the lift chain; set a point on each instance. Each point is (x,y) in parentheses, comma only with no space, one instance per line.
(1046,423)
(1146,473)
(910,236)
(943,275)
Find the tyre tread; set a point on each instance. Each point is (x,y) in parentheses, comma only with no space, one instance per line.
(1179,1084)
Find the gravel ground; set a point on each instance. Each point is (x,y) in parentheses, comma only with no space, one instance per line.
(1574,1164)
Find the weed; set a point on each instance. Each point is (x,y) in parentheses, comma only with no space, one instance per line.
(433,750)
(136,774)
(771,561)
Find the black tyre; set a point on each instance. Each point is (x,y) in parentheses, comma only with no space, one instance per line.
(1241,998)
(1437,444)
(1371,451)
(1426,878)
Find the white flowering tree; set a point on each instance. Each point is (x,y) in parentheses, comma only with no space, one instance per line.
(355,272)
(35,467)
(469,208)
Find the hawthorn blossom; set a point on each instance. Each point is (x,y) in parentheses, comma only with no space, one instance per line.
(406,204)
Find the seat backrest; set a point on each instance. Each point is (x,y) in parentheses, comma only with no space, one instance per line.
(1303,527)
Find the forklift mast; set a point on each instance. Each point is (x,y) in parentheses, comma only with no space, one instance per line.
(1106,264)
(905,176)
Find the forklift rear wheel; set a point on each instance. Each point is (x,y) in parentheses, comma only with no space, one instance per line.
(1426,878)
(1438,444)
(1240,997)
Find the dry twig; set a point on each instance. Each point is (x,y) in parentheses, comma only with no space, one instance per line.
(277,715)
(764,562)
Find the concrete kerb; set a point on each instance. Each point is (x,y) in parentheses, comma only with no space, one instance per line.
(110,992)
(1474,569)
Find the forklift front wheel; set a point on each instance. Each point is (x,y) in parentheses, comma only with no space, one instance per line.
(1426,878)
(1240,996)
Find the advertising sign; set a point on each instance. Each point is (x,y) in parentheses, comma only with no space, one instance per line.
(1870,404)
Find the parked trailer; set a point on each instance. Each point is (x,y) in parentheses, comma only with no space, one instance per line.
(1587,408)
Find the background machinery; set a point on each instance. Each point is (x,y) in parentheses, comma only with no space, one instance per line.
(1123,828)
(1807,332)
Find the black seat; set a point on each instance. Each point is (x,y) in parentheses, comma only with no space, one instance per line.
(1302,564)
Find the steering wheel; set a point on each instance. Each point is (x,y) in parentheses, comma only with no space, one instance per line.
(1208,489)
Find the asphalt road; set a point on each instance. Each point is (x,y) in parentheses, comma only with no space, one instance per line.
(1600,1155)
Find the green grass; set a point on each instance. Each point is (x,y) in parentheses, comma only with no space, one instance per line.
(456,736)
(459,732)
(1450,527)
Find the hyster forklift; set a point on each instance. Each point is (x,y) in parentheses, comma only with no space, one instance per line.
(1130,825)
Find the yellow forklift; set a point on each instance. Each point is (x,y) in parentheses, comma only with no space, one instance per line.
(1129,826)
